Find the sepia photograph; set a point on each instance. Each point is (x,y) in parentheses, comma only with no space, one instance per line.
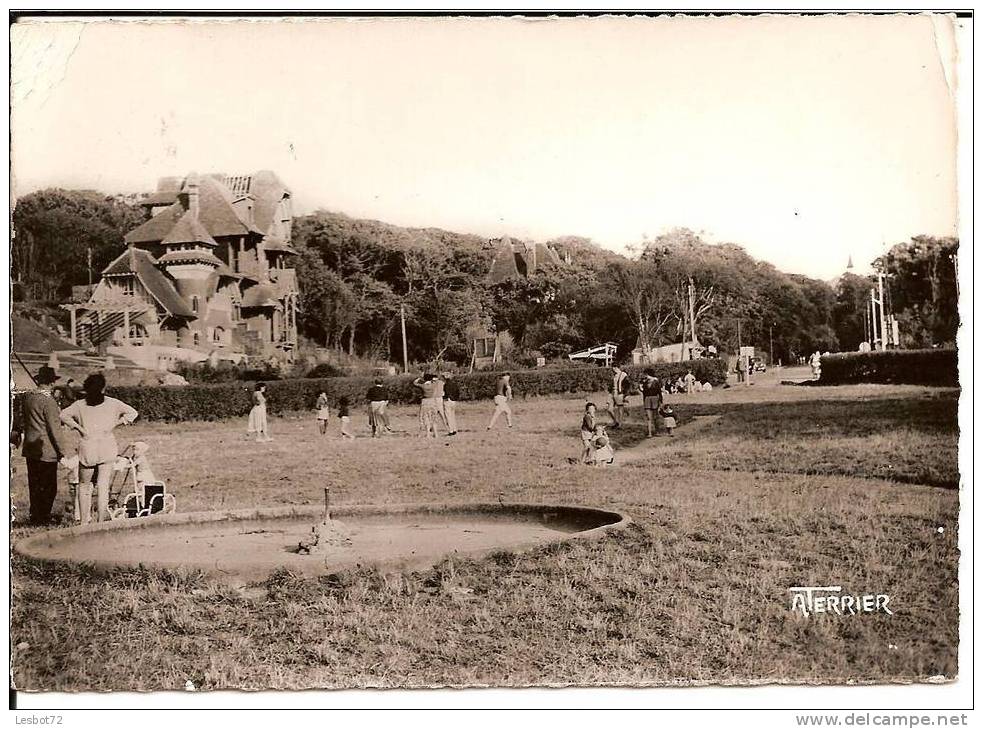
(488,351)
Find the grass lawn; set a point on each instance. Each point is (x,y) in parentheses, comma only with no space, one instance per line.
(791,486)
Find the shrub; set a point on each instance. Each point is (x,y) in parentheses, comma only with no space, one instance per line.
(899,366)
(325,369)
(233,399)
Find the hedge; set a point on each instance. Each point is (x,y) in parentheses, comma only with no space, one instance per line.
(233,399)
(895,366)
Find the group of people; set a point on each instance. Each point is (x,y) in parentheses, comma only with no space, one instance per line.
(39,430)
(653,391)
(659,415)
(439,396)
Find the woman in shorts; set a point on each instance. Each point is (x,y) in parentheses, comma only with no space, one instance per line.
(652,398)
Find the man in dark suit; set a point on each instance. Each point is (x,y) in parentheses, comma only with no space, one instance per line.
(38,428)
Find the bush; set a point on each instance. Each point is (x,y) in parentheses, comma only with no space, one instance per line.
(233,399)
(899,366)
(325,369)
(203,373)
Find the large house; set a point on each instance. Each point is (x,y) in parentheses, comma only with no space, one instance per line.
(510,260)
(206,276)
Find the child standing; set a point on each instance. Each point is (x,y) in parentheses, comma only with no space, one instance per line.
(323,412)
(668,416)
(588,428)
(346,420)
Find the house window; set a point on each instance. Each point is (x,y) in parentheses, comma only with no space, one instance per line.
(137,331)
(236,312)
(127,286)
(218,336)
(196,339)
(194,304)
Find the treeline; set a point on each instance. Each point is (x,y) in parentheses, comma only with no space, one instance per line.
(357,275)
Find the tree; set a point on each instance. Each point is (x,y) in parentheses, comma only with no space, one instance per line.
(922,289)
(55,229)
(326,300)
(698,273)
(850,311)
(646,296)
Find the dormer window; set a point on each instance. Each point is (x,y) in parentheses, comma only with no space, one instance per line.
(194,304)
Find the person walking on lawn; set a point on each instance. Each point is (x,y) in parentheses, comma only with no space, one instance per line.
(588,429)
(258,422)
(652,397)
(378,400)
(620,386)
(452,393)
(323,408)
(429,404)
(37,429)
(503,395)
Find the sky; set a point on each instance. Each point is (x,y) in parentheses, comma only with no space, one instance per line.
(808,140)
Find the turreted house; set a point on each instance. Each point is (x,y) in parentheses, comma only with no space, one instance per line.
(510,260)
(207,275)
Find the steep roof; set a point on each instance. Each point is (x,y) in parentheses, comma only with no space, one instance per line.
(214,211)
(278,244)
(168,197)
(503,264)
(268,189)
(141,264)
(188,229)
(191,257)
(259,296)
(519,260)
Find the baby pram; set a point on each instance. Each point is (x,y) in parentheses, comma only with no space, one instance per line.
(132,493)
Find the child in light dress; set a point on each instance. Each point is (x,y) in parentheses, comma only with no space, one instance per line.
(603,450)
(668,416)
(144,473)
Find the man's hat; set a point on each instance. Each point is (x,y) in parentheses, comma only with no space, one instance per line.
(46,375)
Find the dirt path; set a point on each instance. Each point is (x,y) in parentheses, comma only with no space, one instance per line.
(648,447)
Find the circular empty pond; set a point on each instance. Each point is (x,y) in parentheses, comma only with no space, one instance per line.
(250,544)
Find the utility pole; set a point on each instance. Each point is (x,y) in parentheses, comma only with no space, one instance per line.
(88,258)
(402,326)
(884,335)
(692,327)
(873,321)
(771,347)
(738,336)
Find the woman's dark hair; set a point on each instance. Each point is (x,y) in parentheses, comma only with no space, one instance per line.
(429,377)
(588,406)
(259,386)
(95,388)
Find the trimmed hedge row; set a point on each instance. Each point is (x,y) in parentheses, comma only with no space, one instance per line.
(234,399)
(895,366)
